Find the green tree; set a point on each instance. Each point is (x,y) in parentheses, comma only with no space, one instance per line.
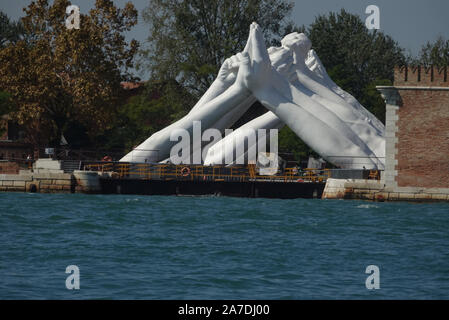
(436,53)
(189,39)
(5,108)
(159,104)
(10,31)
(5,103)
(290,143)
(355,56)
(60,76)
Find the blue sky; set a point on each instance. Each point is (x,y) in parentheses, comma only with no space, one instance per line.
(410,22)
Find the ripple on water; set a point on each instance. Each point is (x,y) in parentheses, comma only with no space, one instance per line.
(140,247)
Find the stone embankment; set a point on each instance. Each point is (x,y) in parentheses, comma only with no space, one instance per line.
(48,177)
(376,190)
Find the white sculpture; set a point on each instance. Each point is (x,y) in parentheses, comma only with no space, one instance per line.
(290,60)
(234,143)
(291,82)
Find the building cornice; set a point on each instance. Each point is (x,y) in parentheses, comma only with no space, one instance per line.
(411,88)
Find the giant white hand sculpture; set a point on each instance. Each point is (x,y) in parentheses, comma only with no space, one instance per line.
(157,147)
(224,150)
(315,65)
(293,84)
(290,60)
(222,103)
(361,121)
(316,125)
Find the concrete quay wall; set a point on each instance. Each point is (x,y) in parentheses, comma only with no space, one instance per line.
(50,182)
(376,190)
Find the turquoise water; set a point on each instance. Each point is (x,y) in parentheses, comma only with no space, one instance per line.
(142,247)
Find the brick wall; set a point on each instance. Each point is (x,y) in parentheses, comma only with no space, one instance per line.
(422,127)
(421,76)
(14,151)
(7,167)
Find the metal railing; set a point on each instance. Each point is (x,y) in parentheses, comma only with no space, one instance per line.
(357,162)
(205,173)
(79,154)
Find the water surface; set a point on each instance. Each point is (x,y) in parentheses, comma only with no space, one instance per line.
(168,247)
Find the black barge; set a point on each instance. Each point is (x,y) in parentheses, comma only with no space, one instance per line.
(195,180)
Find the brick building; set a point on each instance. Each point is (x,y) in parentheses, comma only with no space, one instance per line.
(417,132)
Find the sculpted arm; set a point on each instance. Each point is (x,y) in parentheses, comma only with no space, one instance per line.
(321,129)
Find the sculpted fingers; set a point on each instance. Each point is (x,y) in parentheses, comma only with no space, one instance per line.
(225,70)
(259,50)
(244,74)
(285,68)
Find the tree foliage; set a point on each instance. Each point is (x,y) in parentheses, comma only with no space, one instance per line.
(10,31)
(189,39)
(158,104)
(5,108)
(5,103)
(60,76)
(289,143)
(355,55)
(436,53)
